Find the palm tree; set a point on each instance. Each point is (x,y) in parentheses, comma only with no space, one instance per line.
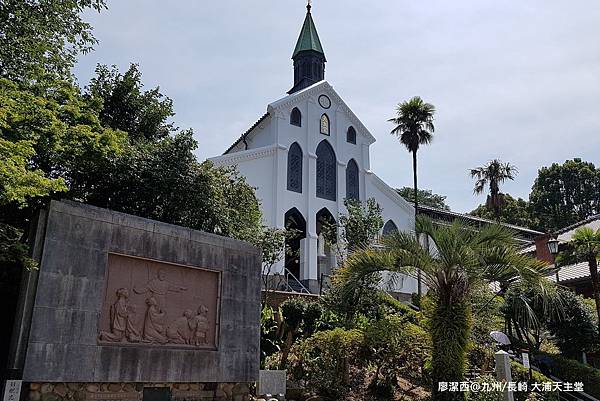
(464,259)
(414,127)
(493,174)
(585,246)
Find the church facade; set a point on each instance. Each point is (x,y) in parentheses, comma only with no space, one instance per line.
(305,156)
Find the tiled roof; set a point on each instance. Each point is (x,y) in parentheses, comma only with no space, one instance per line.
(241,138)
(572,272)
(525,233)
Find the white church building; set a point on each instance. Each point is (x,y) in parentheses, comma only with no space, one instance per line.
(304,156)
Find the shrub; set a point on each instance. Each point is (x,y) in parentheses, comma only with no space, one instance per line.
(572,371)
(521,374)
(575,330)
(396,348)
(323,361)
(492,395)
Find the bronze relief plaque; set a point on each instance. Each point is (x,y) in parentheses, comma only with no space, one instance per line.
(152,303)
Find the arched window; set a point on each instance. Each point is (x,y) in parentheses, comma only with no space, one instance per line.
(326,172)
(351,135)
(296,117)
(324,124)
(294,168)
(352,180)
(389,228)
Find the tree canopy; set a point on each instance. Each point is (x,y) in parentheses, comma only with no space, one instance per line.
(43,38)
(563,194)
(425,197)
(514,211)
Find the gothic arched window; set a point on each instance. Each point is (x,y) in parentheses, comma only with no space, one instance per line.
(351,135)
(294,168)
(326,172)
(352,180)
(390,228)
(324,124)
(296,117)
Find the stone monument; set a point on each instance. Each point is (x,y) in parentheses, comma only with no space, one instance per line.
(121,305)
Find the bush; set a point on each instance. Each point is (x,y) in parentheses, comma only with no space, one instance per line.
(521,374)
(396,348)
(485,395)
(575,330)
(323,361)
(572,371)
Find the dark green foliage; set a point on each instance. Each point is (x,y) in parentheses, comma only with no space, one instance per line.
(270,343)
(127,107)
(513,211)
(390,306)
(494,173)
(324,361)
(572,371)
(574,330)
(425,197)
(521,374)
(360,226)
(163,181)
(42,38)
(396,348)
(566,193)
(449,327)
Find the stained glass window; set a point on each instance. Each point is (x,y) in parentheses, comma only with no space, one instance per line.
(324,124)
(326,172)
(352,184)
(296,117)
(351,135)
(294,168)
(389,228)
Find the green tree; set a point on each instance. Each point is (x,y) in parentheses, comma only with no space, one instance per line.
(564,194)
(358,229)
(492,175)
(425,197)
(514,211)
(465,259)
(360,226)
(127,107)
(584,246)
(414,127)
(575,330)
(43,38)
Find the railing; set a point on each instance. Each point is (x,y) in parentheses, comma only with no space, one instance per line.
(292,284)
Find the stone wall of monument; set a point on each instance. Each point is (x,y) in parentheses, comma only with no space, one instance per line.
(135,392)
(122,299)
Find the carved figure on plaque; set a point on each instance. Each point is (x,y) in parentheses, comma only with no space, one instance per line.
(154,327)
(159,287)
(121,320)
(201,327)
(180,331)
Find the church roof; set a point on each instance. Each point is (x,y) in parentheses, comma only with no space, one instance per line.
(308,39)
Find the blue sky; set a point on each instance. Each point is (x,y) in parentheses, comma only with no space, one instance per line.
(515,80)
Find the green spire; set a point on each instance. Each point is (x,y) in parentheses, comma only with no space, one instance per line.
(308,39)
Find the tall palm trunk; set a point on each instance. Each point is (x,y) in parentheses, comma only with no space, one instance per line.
(416,192)
(593,264)
(450,330)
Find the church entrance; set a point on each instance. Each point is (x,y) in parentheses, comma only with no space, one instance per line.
(296,222)
(327,236)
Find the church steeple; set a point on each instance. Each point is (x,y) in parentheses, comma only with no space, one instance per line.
(309,58)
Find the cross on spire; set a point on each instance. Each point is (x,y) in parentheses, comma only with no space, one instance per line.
(308,5)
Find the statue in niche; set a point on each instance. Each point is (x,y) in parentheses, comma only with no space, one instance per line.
(121,320)
(154,327)
(158,288)
(201,327)
(180,331)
